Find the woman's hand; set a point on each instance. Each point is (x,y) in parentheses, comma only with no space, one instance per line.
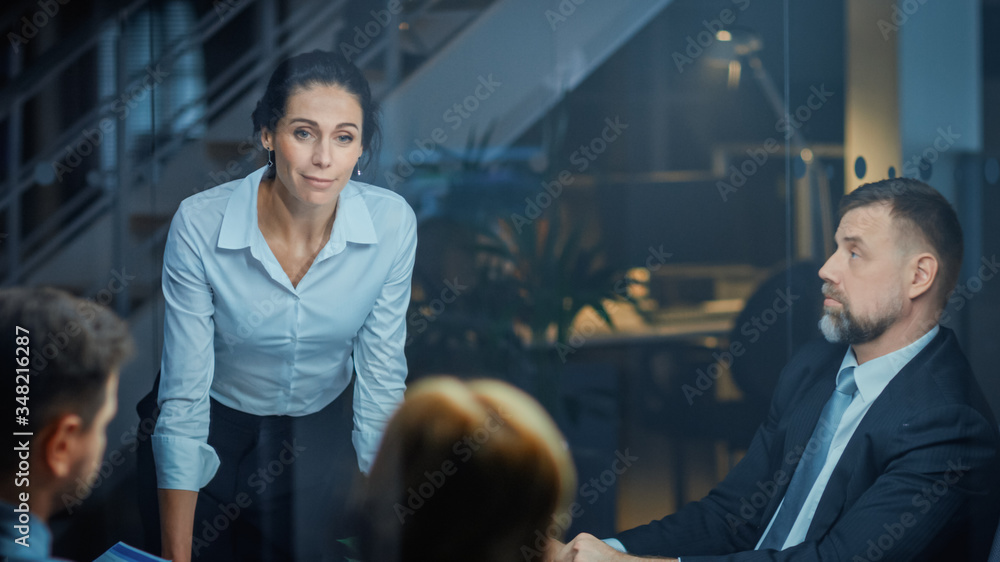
(177,523)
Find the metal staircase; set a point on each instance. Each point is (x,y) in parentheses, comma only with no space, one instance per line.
(165,122)
(120,167)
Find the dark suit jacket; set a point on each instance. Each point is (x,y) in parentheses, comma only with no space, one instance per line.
(916,481)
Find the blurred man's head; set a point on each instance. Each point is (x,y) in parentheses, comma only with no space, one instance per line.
(899,251)
(71,350)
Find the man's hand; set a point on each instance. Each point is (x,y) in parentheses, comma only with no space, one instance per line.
(588,548)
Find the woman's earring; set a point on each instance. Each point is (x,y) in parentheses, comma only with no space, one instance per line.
(358,168)
(270,160)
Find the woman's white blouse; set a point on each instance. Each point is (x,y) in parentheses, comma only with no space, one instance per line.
(236,330)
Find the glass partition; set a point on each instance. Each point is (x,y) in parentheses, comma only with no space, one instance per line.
(621,209)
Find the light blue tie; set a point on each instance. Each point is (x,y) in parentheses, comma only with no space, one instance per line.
(811,464)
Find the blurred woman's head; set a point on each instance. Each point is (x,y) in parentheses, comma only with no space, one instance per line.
(466,471)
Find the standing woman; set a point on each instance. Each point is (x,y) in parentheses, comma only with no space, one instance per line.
(278,287)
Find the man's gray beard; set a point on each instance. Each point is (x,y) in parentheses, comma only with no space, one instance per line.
(843,327)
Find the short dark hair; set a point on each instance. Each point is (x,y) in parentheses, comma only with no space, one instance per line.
(311,69)
(73,345)
(925,212)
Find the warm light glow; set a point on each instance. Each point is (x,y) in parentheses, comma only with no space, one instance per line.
(735,69)
(723,306)
(806,154)
(638,274)
(723,35)
(404,26)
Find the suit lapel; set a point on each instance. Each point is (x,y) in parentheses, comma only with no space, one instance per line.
(802,419)
(879,419)
(831,503)
(805,416)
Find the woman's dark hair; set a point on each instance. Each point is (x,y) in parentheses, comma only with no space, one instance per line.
(313,69)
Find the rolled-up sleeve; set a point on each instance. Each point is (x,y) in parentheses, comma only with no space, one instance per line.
(184,460)
(379,358)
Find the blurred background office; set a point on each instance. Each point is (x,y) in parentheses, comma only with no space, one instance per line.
(622,205)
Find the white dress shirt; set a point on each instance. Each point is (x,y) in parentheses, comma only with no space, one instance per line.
(236,330)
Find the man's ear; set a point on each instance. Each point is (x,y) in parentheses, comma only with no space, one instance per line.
(924,271)
(60,443)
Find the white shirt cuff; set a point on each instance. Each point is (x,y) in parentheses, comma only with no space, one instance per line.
(615,544)
(366,445)
(183,463)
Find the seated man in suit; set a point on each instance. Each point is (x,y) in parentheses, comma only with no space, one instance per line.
(878,444)
(66,352)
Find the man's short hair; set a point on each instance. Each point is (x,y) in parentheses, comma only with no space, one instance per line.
(73,345)
(921,211)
